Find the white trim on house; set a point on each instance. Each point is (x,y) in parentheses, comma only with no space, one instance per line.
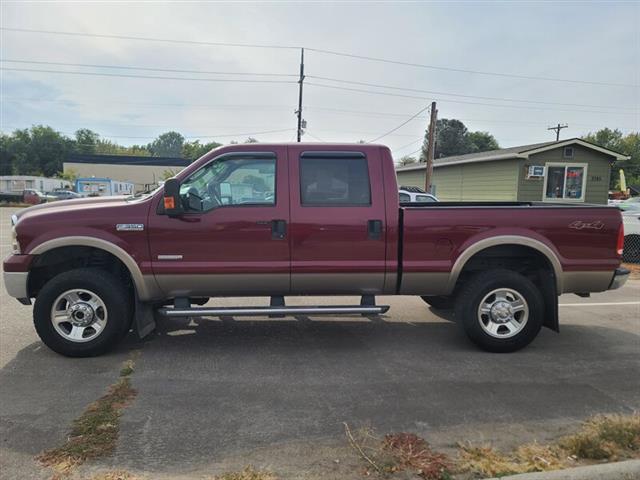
(566,165)
(516,155)
(566,143)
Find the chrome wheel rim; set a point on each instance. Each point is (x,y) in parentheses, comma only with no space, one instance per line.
(79,315)
(503,313)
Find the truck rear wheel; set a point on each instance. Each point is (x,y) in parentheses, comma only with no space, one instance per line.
(82,312)
(500,310)
(440,302)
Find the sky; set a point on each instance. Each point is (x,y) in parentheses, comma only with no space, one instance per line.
(593,47)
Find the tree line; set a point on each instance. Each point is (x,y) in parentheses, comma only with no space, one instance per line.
(41,150)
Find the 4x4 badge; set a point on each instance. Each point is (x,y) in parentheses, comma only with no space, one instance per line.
(579,225)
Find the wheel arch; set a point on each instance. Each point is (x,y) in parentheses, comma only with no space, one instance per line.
(505,240)
(144,286)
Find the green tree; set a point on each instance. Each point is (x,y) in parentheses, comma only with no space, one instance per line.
(626,144)
(86,141)
(453,138)
(482,141)
(38,150)
(194,150)
(406,160)
(6,160)
(168,144)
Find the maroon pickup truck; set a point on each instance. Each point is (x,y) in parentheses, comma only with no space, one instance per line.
(302,219)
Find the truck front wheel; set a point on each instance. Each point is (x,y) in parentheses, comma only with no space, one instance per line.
(82,312)
(500,310)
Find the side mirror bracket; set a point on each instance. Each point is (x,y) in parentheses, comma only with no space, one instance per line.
(171,200)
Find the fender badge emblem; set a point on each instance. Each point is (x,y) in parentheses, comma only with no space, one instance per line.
(579,225)
(130,227)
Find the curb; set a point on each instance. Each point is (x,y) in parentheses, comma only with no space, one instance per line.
(627,470)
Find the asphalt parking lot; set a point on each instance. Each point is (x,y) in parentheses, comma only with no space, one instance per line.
(219,394)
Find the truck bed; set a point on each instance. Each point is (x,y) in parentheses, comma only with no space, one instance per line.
(434,238)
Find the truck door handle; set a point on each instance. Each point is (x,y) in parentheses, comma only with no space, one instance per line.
(374,229)
(278,229)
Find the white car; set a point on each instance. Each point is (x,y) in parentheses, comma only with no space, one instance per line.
(631,252)
(415,195)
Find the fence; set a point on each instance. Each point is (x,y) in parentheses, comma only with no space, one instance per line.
(631,252)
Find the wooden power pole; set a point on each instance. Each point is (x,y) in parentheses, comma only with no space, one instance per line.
(300,82)
(557,128)
(431,147)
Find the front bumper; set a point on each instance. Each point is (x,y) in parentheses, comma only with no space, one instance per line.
(620,277)
(16,276)
(16,285)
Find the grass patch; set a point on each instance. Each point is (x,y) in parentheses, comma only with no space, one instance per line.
(601,438)
(127,369)
(399,452)
(248,473)
(487,462)
(605,437)
(115,475)
(95,433)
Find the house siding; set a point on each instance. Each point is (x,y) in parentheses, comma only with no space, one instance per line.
(470,182)
(598,172)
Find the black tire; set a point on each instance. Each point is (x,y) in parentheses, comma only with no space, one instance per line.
(472,294)
(440,302)
(115,297)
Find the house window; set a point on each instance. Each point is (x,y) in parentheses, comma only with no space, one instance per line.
(565,181)
(568,152)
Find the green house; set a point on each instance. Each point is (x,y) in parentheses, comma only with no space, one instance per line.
(566,171)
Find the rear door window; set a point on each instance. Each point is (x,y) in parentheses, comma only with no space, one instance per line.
(334,181)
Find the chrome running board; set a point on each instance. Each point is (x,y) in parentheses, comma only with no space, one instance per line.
(258,311)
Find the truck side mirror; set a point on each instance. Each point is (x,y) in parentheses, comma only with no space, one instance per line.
(171,200)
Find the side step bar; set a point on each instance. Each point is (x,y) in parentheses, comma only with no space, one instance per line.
(258,311)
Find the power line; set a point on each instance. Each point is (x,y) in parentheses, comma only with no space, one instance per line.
(366,84)
(477,72)
(408,144)
(149,69)
(446,100)
(122,75)
(144,104)
(185,136)
(149,39)
(322,51)
(399,126)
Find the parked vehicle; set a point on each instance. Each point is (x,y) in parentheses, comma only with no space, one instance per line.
(296,219)
(33,197)
(65,194)
(630,205)
(415,195)
(631,252)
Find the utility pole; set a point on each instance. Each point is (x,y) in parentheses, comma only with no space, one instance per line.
(300,82)
(557,128)
(431,147)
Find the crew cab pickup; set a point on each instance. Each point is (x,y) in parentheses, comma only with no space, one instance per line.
(279,220)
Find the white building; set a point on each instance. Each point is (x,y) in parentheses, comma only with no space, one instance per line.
(19,183)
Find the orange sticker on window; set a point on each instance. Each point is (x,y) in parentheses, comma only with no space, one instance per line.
(169,203)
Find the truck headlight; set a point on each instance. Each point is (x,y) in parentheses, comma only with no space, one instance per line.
(15,245)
